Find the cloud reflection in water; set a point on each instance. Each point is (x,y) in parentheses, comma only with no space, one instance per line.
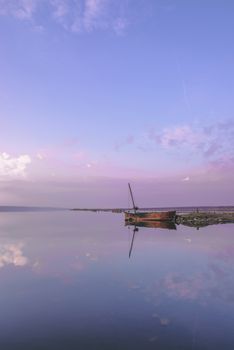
(12,254)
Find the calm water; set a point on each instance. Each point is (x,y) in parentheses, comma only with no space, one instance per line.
(66,282)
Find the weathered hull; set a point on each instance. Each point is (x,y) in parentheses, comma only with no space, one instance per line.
(150,216)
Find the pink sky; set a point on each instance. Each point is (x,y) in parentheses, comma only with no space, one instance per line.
(95,94)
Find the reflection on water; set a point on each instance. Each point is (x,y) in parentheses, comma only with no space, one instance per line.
(66,282)
(12,254)
(169,225)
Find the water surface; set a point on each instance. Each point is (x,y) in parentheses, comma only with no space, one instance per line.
(66,282)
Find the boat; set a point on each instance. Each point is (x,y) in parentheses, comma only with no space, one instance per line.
(150,216)
(136,216)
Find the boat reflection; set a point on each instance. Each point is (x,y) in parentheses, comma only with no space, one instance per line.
(169,225)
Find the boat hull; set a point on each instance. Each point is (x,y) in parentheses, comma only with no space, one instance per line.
(150,216)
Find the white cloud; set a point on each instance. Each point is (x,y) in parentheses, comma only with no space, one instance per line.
(182,135)
(13,167)
(61,8)
(12,254)
(211,141)
(21,9)
(187,178)
(74,15)
(94,10)
(40,156)
(26,9)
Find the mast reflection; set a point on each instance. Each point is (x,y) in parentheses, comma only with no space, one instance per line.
(169,225)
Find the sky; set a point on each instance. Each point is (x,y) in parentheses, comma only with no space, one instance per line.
(98,93)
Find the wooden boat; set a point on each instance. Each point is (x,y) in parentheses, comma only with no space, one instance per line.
(169,225)
(140,216)
(150,216)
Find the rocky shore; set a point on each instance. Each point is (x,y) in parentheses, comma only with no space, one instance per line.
(201,219)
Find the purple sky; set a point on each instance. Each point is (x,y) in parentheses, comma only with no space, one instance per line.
(96,93)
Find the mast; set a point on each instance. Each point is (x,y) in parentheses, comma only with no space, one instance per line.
(134,206)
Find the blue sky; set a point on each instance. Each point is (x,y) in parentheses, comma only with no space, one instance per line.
(129,90)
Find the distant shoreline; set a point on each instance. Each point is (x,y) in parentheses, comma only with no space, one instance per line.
(14,208)
(181,210)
